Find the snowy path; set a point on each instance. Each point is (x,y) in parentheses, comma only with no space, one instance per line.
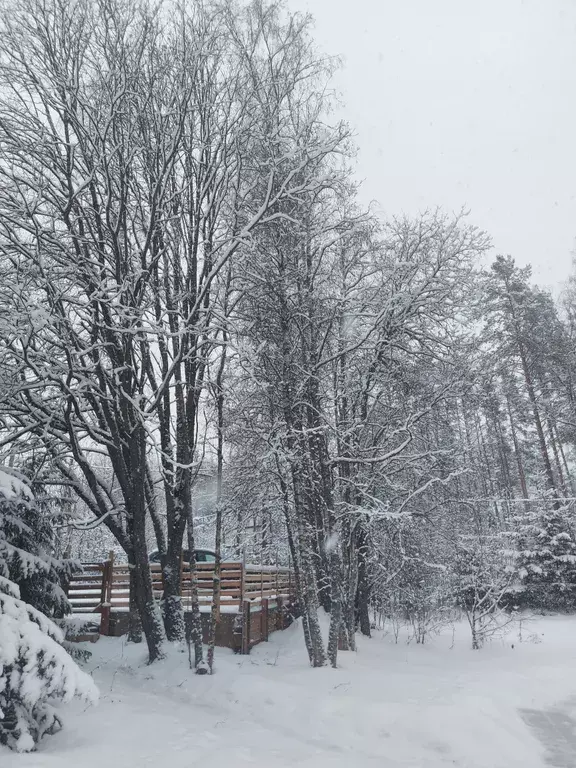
(388,706)
(557,732)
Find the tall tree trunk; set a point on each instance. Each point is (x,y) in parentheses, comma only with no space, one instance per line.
(363,590)
(565,465)
(309,601)
(518,455)
(336,605)
(147,609)
(308,596)
(503,459)
(349,586)
(538,423)
(172,596)
(215,611)
(194,634)
(134,623)
(530,388)
(294,553)
(556,454)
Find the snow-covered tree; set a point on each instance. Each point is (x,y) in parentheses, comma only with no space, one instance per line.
(546,558)
(36,672)
(483,582)
(33,532)
(155,150)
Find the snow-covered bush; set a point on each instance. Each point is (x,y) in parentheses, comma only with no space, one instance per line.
(35,670)
(483,581)
(420,594)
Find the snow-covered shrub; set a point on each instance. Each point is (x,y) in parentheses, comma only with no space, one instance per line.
(419,595)
(35,670)
(426,601)
(483,580)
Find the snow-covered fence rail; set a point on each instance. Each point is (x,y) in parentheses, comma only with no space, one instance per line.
(86,590)
(104,588)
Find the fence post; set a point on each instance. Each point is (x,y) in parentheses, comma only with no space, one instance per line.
(217,576)
(181,580)
(104,612)
(246,619)
(264,619)
(277,580)
(193,574)
(242,571)
(106,594)
(280,612)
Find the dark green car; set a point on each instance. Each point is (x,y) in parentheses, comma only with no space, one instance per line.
(200,556)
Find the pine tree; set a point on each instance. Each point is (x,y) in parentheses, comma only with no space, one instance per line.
(521,316)
(41,588)
(35,670)
(546,559)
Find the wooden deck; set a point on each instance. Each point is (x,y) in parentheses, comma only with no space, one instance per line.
(253,599)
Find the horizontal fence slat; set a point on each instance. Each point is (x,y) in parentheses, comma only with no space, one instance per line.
(95,596)
(238,583)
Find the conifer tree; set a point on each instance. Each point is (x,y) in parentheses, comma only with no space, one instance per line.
(36,672)
(546,559)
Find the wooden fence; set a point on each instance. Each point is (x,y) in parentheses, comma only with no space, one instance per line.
(104,588)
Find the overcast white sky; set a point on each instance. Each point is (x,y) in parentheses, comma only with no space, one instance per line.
(465,102)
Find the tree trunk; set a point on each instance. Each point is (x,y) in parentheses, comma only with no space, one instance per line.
(147,609)
(194,634)
(294,552)
(215,610)
(172,612)
(556,454)
(533,399)
(518,455)
(316,650)
(349,587)
(538,422)
(134,623)
(565,465)
(309,603)
(336,606)
(363,590)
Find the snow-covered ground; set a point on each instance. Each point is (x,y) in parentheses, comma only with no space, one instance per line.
(511,704)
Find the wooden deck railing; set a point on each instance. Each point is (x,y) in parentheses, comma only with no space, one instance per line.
(105,587)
